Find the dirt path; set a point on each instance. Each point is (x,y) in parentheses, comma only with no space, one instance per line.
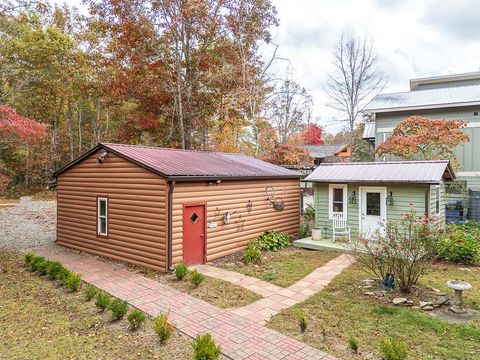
(28,224)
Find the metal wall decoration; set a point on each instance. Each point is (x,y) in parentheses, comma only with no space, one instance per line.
(249,206)
(240,223)
(227,217)
(277,202)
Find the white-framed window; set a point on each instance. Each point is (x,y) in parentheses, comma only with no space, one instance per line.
(102,215)
(437,199)
(337,199)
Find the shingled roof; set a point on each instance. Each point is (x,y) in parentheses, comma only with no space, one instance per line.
(425,172)
(178,164)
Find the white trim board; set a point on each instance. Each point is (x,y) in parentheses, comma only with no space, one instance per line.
(468,173)
(390,129)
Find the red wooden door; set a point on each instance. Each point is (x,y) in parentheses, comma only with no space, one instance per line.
(194,230)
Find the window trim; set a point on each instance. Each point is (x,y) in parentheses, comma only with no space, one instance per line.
(437,199)
(107,216)
(331,187)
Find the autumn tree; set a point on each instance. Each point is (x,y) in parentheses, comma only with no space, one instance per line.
(355,78)
(418,137)
(18,134)
(313,135)
(288,154)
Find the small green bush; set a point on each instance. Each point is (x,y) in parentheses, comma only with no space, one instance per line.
(204,348)
(29,257)
(459,245)
(162,327)
(118,308)
(353,344)
(73,281)
(54,268)
(269,276)
(196,278)
(102,300)
(309,213)
(90,292)
(136,318)
(63,274)
(392,349)
(302,320)
(180,270)
(35,261)
(271,241)
(252,255)
(42,267)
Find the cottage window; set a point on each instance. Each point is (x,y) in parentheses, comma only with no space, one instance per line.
(437,199)
(102,216)
(337,200)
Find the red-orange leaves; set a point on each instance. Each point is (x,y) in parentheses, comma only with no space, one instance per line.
(424,138)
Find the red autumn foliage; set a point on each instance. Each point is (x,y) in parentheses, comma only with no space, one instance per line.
(18,130)
(417,135)
(313,135)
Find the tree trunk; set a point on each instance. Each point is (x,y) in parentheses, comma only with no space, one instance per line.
(80,129)
(70,128)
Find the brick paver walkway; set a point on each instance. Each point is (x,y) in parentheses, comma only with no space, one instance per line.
(239,337)
(277,298)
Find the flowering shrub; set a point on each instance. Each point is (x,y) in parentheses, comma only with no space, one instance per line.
(404,248)
(460,244)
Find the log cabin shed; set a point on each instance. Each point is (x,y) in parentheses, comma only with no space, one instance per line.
(155,207)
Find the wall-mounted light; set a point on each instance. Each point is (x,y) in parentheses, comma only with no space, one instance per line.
(390,199)
(352,199)
(214,182)
(102,156)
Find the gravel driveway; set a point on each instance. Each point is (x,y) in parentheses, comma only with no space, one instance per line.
(28,224)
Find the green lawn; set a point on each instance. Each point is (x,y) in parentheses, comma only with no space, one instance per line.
(40,320)
(341,311)
(283,267)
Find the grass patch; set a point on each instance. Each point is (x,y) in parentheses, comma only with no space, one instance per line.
(283,267)
(39,319)
(341,311)
(215,291)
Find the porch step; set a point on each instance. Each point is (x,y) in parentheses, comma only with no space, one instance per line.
(308,243)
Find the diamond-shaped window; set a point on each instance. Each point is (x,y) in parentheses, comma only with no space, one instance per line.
(194,217)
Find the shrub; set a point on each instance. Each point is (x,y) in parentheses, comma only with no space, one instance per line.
(73,281)
(392,349)
(29,257)
(42,267)
(353,344)
(90,292)
(35,262)
(136,318)
(302,320)
(196,278)
(180,270)
(204,348)
(162,326)
(459,245)
(403,248)
(309,213)
(252,255)
(271,241)
(54,268)
(118,308)
(269,276)
(102,300)
(304,231)
(63,274)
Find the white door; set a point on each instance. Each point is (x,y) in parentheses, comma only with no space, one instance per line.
(373,210)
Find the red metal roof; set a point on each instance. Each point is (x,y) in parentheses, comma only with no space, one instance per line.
(184,164)
(427,172)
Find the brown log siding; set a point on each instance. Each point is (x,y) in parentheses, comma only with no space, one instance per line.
(137,200)
(233,196)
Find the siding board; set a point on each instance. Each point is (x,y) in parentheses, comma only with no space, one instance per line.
(233,196)
(137,201)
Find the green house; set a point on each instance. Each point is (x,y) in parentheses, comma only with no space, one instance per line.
(367,195)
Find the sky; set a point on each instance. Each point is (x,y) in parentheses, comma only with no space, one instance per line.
(412,38)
